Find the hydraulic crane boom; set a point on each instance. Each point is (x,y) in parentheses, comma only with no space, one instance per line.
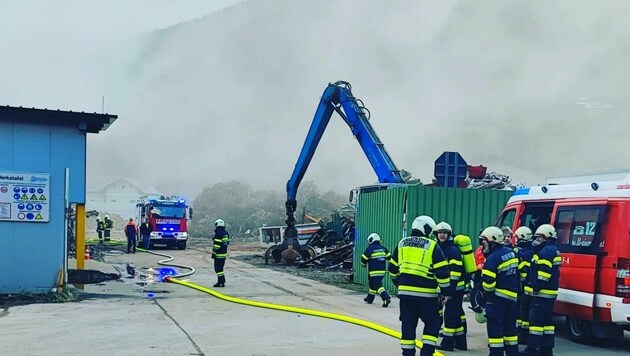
(338,97)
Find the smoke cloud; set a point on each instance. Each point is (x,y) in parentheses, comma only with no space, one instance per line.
(528,89)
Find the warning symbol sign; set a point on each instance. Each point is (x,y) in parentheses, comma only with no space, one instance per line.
(24,197)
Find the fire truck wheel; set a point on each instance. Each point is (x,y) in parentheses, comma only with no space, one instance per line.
(181,246)
(580,330)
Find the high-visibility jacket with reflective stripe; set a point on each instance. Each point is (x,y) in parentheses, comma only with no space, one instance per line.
(453,256)
(525,255)
(500,273)
(544,274)
(220,242)
(375,258)
(419,268)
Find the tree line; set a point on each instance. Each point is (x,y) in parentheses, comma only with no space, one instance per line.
(245,209)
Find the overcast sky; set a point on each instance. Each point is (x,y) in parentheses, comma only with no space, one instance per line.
(528,89)
(60,54)
(27,20)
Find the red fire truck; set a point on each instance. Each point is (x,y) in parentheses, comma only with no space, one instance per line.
(168,217)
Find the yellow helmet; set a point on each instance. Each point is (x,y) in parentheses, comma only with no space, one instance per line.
(524,233)
(443,227)
(547,231)
(493,234)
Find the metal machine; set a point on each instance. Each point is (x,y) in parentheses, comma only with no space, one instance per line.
(336,97)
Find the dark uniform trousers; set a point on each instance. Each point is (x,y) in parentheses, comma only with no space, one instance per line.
(501,320)
(376,287)
(453,322)
(524,304)
(219,263)
(426,309)
(541,328)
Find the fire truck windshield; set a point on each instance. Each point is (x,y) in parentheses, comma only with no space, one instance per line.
(176,212)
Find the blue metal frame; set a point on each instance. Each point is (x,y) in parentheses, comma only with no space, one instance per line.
(338,97)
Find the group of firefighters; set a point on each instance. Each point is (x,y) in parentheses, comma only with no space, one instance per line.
(518,286)
(104,229)
(221,240)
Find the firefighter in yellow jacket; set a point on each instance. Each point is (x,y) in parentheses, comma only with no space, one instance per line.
(419,270)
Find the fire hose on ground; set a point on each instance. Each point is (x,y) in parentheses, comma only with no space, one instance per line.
(322,314)
(165,262)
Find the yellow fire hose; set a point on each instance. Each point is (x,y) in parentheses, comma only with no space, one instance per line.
(91,242)
(167,262)
(321,314)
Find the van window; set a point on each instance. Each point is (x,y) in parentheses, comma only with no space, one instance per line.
(536,214)
(579,228)
(507,219)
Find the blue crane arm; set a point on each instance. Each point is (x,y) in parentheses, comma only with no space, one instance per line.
(338,97)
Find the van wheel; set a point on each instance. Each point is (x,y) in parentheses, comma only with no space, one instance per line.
(580,330)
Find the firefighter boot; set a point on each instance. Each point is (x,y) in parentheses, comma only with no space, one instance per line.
(546,351)
(461,343)
(221,282)
(386,302)
(446,344)
(369,299)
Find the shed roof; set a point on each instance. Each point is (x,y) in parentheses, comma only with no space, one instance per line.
(94,122)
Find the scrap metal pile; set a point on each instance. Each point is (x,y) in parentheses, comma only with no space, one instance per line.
(491,180)
(331,246)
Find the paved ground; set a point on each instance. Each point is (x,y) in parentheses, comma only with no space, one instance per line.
(119,318)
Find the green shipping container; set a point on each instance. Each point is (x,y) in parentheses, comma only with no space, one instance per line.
(391,212)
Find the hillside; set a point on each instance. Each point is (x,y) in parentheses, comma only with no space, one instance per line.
(530,90)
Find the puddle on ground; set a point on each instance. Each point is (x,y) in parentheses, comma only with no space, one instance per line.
(115,252)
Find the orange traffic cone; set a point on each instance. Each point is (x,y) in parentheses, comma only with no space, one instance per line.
(86,256)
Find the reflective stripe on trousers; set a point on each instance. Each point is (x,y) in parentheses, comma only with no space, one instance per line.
(425,309)
(541,328)
(501,326)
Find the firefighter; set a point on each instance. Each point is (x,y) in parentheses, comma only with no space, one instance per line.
(500,285)
(375,258)
(100,228)
(418,269)
(145,232)
(525,253)
(131,231)
(453,332)
(109,225)
(543,279)
(219,250)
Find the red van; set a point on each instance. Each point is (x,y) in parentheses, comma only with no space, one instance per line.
(593,224)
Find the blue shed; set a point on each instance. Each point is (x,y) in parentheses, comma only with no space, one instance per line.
(39,149)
